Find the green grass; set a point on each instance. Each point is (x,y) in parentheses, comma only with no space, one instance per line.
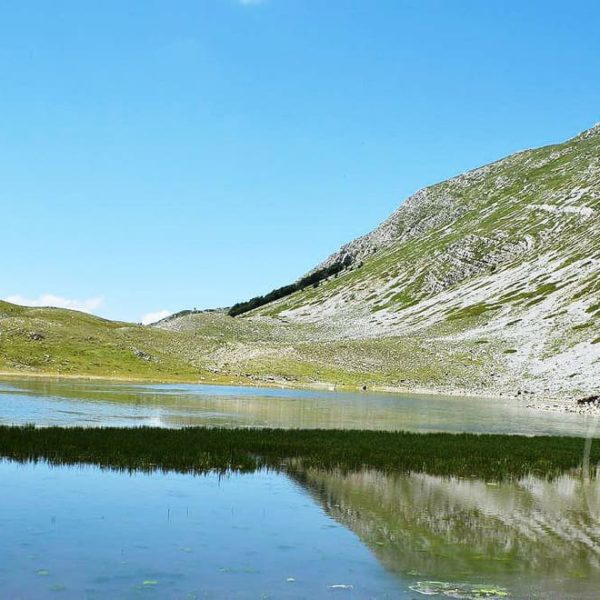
(534,296)
(199,450)
(69,343)
(594,309)
(473,311)
(582,326)
(212,347)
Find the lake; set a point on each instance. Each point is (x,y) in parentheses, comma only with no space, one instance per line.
(85,532)
(97,403)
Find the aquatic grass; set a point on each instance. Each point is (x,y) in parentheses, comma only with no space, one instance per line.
(458,590)
(202,450)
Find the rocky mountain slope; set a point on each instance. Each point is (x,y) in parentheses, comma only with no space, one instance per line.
(507,255)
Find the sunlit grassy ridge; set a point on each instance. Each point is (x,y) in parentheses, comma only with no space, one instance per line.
(67,342)
(198,450)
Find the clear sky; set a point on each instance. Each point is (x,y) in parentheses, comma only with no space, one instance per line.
(161,155)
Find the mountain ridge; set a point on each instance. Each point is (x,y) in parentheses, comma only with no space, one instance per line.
(366,244)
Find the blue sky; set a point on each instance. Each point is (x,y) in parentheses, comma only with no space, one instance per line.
(164,155)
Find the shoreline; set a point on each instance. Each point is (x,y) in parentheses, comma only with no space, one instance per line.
(541,403)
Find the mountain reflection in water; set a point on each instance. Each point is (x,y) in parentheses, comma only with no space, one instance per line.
(535,537)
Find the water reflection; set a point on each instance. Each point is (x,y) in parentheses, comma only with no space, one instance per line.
(96,403)
(105,532)
(536,538)
(246,535)
(73,533)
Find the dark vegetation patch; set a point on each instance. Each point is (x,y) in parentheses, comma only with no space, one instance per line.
(510,351)
(535,301)
(592,287)
(403,300)
(569,261)
(594,309)
(313,279)
(533,296)
(556,314)
(201,450)
(582,326)
(593,399)
(540,277)
(474,310)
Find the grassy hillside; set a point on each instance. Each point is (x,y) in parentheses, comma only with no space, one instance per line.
(213,347)
(66,342)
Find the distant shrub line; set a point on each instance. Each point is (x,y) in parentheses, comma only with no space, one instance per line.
(313,279)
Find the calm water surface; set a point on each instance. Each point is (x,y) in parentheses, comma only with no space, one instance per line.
(80,532)
(93,403)
(83,532)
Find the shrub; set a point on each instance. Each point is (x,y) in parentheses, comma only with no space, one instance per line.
(313,279)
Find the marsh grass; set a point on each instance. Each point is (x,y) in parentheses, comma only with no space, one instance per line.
(201,450)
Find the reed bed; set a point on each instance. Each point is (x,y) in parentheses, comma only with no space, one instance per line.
(201,450)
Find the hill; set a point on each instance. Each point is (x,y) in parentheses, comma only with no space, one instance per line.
(505,257)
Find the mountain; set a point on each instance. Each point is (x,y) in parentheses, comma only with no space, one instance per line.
(506,256)
(513,223)
(488,283)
